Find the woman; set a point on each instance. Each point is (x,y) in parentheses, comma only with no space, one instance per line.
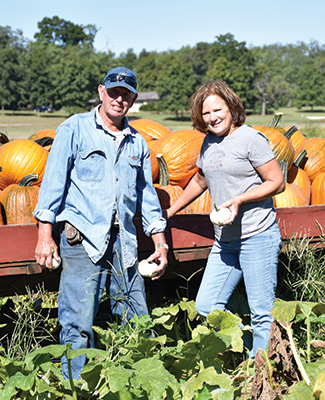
(238,167)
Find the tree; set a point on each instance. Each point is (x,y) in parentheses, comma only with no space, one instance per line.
(197,57)
(77,79)
(311,86)
(63,33)
(272,91)
(262,83)
(147,71)
(287,62)
(10,38)
(12,52)
(128,59)
(175,84)
(41,77)
(234,63)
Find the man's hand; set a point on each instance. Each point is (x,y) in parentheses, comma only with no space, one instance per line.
(46,247)
(160,258)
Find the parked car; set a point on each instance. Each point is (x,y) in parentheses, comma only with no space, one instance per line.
(46,109)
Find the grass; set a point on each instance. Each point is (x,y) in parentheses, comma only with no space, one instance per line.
(29,323)
(22,124)
(303,269)
(18,125)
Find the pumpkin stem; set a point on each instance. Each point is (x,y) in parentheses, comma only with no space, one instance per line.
(44,141)
(290,132)
(3,138)
(215,206)
(163,171)
(284,168)
(28,180)
(276,119)
(297,161)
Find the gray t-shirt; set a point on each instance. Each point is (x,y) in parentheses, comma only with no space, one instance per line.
(228,164)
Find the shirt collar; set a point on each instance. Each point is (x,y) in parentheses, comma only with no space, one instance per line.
(99,121)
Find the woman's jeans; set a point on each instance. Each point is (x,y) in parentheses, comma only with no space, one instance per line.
(81,288)
(256,260)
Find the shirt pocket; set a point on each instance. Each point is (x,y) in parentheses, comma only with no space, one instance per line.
(134,168)
(90,165)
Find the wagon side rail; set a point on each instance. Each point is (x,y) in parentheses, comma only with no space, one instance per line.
(189,236)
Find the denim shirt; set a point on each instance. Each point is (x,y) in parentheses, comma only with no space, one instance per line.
(89,178)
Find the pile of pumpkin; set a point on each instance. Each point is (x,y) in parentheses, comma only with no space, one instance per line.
(302,161)
(22,166)
(173,161)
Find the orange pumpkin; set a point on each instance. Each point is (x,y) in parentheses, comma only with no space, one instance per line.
(318,189)
(180,150)
(19,158)
(275,122)
(293,196)
(202,204)
(44,138)
(152,128)
(19,201)
(148,138)
(295,136)
(167,193)
(154,165)
(282,148)
(314,162)
(298,176)
(43,133)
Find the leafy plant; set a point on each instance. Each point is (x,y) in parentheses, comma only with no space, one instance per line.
(173,354)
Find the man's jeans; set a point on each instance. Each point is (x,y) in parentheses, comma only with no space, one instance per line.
(81,288)
(256,260)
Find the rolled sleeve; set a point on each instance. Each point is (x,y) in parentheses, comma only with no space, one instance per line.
(44,216)
(159,225)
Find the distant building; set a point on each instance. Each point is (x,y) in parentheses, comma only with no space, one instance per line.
(143,98)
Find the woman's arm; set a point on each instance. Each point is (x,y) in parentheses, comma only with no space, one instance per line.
(195,187)
(273,184)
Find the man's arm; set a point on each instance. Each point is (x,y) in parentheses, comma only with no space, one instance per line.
(46,247)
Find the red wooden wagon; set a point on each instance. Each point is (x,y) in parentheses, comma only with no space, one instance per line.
(189,236)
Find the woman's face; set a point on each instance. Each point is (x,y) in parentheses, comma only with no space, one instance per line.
(217,116)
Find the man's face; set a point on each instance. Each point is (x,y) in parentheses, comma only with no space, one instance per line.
(116,101)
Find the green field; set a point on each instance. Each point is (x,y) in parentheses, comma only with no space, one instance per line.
(17,124)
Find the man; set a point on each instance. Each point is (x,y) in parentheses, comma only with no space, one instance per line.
(97,175)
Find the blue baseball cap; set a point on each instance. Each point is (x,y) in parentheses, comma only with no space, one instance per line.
(121,76)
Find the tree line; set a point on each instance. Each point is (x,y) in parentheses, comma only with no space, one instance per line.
(61,68)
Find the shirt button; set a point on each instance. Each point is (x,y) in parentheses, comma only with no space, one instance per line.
(116,179)
(114,138)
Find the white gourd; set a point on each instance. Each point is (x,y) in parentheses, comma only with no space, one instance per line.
(55,262)
(146,268)
(219,216)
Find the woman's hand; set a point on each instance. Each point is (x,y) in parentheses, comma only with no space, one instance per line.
(233,205)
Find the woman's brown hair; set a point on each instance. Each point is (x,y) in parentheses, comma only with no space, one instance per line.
(220,89)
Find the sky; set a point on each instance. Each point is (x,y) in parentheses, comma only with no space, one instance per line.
(162,25)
